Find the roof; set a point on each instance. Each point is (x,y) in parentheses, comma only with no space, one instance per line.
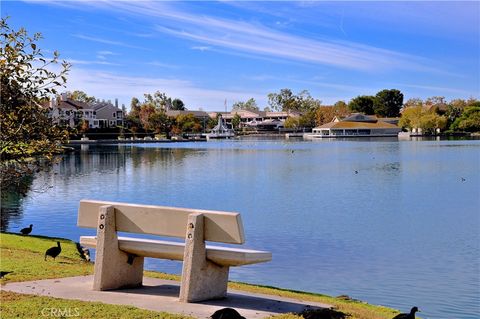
(72,104)
(101,105)
(358,125)
(359,117)
(175,113)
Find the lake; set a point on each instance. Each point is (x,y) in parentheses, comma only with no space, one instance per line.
(392,223)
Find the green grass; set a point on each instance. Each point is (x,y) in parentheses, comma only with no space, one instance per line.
(24,257)
(15,305)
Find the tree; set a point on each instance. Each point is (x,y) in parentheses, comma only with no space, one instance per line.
(159,100)
(388,103)
(250,105)
(291,122)
(212,122)
(307,102)
(286,101)
(28,137)
(326,114)
(283,101)
(411,117)
(469,121)
(308,119)
(413,102)
(418,117)
(187,123)
(236,120)
(82,97)
(362,104)
(430,121)
(178,105)
(146,116)
(135,106)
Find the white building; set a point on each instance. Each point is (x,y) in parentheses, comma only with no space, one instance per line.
(109,115)
(68,112)
(355,125)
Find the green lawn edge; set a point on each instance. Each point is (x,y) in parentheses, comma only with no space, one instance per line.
(24,257)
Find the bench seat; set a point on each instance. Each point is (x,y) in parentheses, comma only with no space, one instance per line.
(223,256)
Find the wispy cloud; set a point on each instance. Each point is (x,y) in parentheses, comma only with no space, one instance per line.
(201,48)
(105,41)
(163,65)
(90,62)
(432,88)
(312,83)
(125,87)
(103,55)
(255,38)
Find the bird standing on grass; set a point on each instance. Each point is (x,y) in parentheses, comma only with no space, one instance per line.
(226,313)
(26,230)
(410,315)
(53,251)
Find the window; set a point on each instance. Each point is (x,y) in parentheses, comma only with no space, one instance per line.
(114,114)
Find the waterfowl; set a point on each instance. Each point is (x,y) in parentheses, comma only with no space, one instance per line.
(226,313)
(53,251)
(322,313)
(26,230)
(410,315)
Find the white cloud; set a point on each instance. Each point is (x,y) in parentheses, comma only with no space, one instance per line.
(100,84)
(90,62)
(201,48)
(163,65)
(255,38)
(105,41)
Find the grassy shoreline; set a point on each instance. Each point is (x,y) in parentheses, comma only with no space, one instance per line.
(24,257)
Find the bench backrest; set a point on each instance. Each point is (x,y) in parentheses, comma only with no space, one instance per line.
(225,227)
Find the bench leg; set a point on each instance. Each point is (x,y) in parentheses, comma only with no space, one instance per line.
(113,268)
(201,278)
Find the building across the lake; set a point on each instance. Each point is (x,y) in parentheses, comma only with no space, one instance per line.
(260,120)
(109,115)
(68,112)
(355,125)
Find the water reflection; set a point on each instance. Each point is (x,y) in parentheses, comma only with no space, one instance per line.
(357,230)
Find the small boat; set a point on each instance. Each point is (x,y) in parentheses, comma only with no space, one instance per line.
(220,131)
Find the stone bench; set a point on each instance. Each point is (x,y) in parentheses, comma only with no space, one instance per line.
(119,260)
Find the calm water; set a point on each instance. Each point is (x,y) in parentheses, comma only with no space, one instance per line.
(403,231)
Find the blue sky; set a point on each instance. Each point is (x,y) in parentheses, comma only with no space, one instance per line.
(206,52)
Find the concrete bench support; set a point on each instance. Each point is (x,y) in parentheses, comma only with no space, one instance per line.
(201,278)
(113,268)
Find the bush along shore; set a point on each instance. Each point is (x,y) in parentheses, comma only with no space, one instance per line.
(22,259)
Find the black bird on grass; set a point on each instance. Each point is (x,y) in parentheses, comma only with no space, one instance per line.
(410,315)
(4,273)
(226,313)
(53,251)
(322,313)
(26,230)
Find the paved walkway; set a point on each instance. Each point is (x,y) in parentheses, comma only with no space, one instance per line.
(161,295)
